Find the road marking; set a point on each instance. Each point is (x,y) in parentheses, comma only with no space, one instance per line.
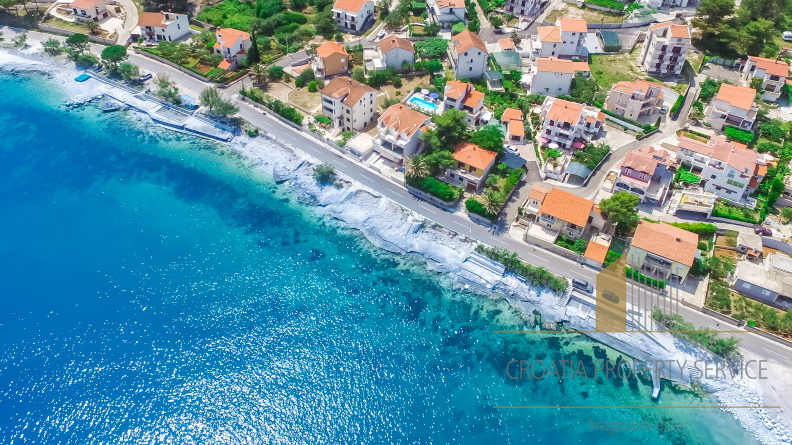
(773,352)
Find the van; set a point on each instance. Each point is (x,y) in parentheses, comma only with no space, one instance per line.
(610,296)
(582,285)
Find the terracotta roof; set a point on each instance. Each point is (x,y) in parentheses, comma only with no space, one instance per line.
(511,113)
(736,96)
(565,111)
(403,119)
(677,31)
(646,159)
(227,37)
(637,85)
(771,66)
(549,34)
(473,155)
(567,207)
(329,48)
(456,90)
(506,44)
(538,193)
(760,170)
(151,19)
(350,5)
(85,4)
(455,4)
(596,252)
(466,40)
(553,65)
(741,158)
(224,64)
(516,128)
(350,89)
(392,42)
(568,24)
(667,241)
(474,99)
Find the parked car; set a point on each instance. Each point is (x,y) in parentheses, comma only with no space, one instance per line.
(582,285)
(664,109)
(610,296)
(787,35)
(762,230)
(381,34)
(144,77)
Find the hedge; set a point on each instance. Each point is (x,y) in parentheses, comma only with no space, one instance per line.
(698,228)
(643,279)
(613,4)
(678,104)
(738,134)
(438,189)
(473,206)
(536,275)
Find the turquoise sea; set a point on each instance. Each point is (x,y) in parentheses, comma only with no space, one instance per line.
(156,290)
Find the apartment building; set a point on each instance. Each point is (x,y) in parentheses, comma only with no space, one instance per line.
(464,97)
(665,48)
(163,26)
(353,15)
(648,173)
(733,105)
(564,39)
(447,12)
(331,59)
(569,124)
(553,77)
(523,8)
(662,251)
(773,74)
(468,55)
(232,44)
(473,164)
(396,53)
(399,131)
(727,169)
(348,103)
(636,100)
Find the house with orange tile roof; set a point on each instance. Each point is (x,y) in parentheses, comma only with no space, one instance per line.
(473,164)
(349,104)
(565,38)
(733,105)
(512,119)
(773,74)
(396,52)
(163,26)
(233,45)
(553,77)
(447,12)
(399,131)
(84,10)
(569,124)
(331,60)
(662,251)
(462,96)
(468,55)
(665,48)
(638,100)
(647,172)
(353,16)
(534,200)
(729,170)
(523,8)
(561,213)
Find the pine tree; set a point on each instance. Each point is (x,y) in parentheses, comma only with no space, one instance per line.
(253,55)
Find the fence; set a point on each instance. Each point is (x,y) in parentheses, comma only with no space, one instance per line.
(63,32)
(721,317)
(732,221)
(450,206)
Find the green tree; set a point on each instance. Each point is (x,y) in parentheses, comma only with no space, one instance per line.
(77,44)
(496,21)
(786,213)
(52,46)
(210,98)
(719,268)
(709,88)
(492,201)
(457,28)
(253,54)
(359,74)
(20,40)
(488,137)
(128,71)
(113,55)
(416,167)
(583,89)
(167,89)
(275,72)
(450,128)
(621,209)
(324,173)
(93,27)
(434,48)
(439,160)
(711,16)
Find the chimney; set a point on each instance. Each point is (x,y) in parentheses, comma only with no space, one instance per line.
(679,240)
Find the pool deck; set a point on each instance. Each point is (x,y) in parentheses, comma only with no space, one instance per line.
(419,106)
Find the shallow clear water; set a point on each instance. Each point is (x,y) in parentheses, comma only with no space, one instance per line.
(158,291)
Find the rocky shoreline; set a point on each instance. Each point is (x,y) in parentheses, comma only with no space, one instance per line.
(395,229)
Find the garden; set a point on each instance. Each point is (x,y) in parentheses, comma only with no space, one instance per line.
(724,209)
(576,245)
(591,155)
(499,185)
(684,176)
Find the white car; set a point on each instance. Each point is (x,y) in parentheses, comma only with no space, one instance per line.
(381,34)
(787,35)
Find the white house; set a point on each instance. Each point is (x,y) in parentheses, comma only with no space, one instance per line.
(647,173)
(163,26)
(773,74)
(733,105)
(399,131)
(661,4)
(396,52)
(348,103)
(85,10)
(569,124)
(462,96)
(233,45)
(727,169)
(665,48)
(522,8)
(563,39)
(447,12)
(468,55)
(635,100)
(353,15)
(553,77)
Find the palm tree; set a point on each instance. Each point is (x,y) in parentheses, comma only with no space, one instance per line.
(417,167)
(492,201)
(259,73)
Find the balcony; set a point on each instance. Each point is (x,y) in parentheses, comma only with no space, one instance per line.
(388,149)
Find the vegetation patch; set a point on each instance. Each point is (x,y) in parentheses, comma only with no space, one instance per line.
(538,276)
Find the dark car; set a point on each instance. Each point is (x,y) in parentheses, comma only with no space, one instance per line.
(610,296)
(582,285)
(762,230)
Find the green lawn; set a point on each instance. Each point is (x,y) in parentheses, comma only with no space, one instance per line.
(609,69)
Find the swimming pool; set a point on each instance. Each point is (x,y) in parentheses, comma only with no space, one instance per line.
(423,103)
